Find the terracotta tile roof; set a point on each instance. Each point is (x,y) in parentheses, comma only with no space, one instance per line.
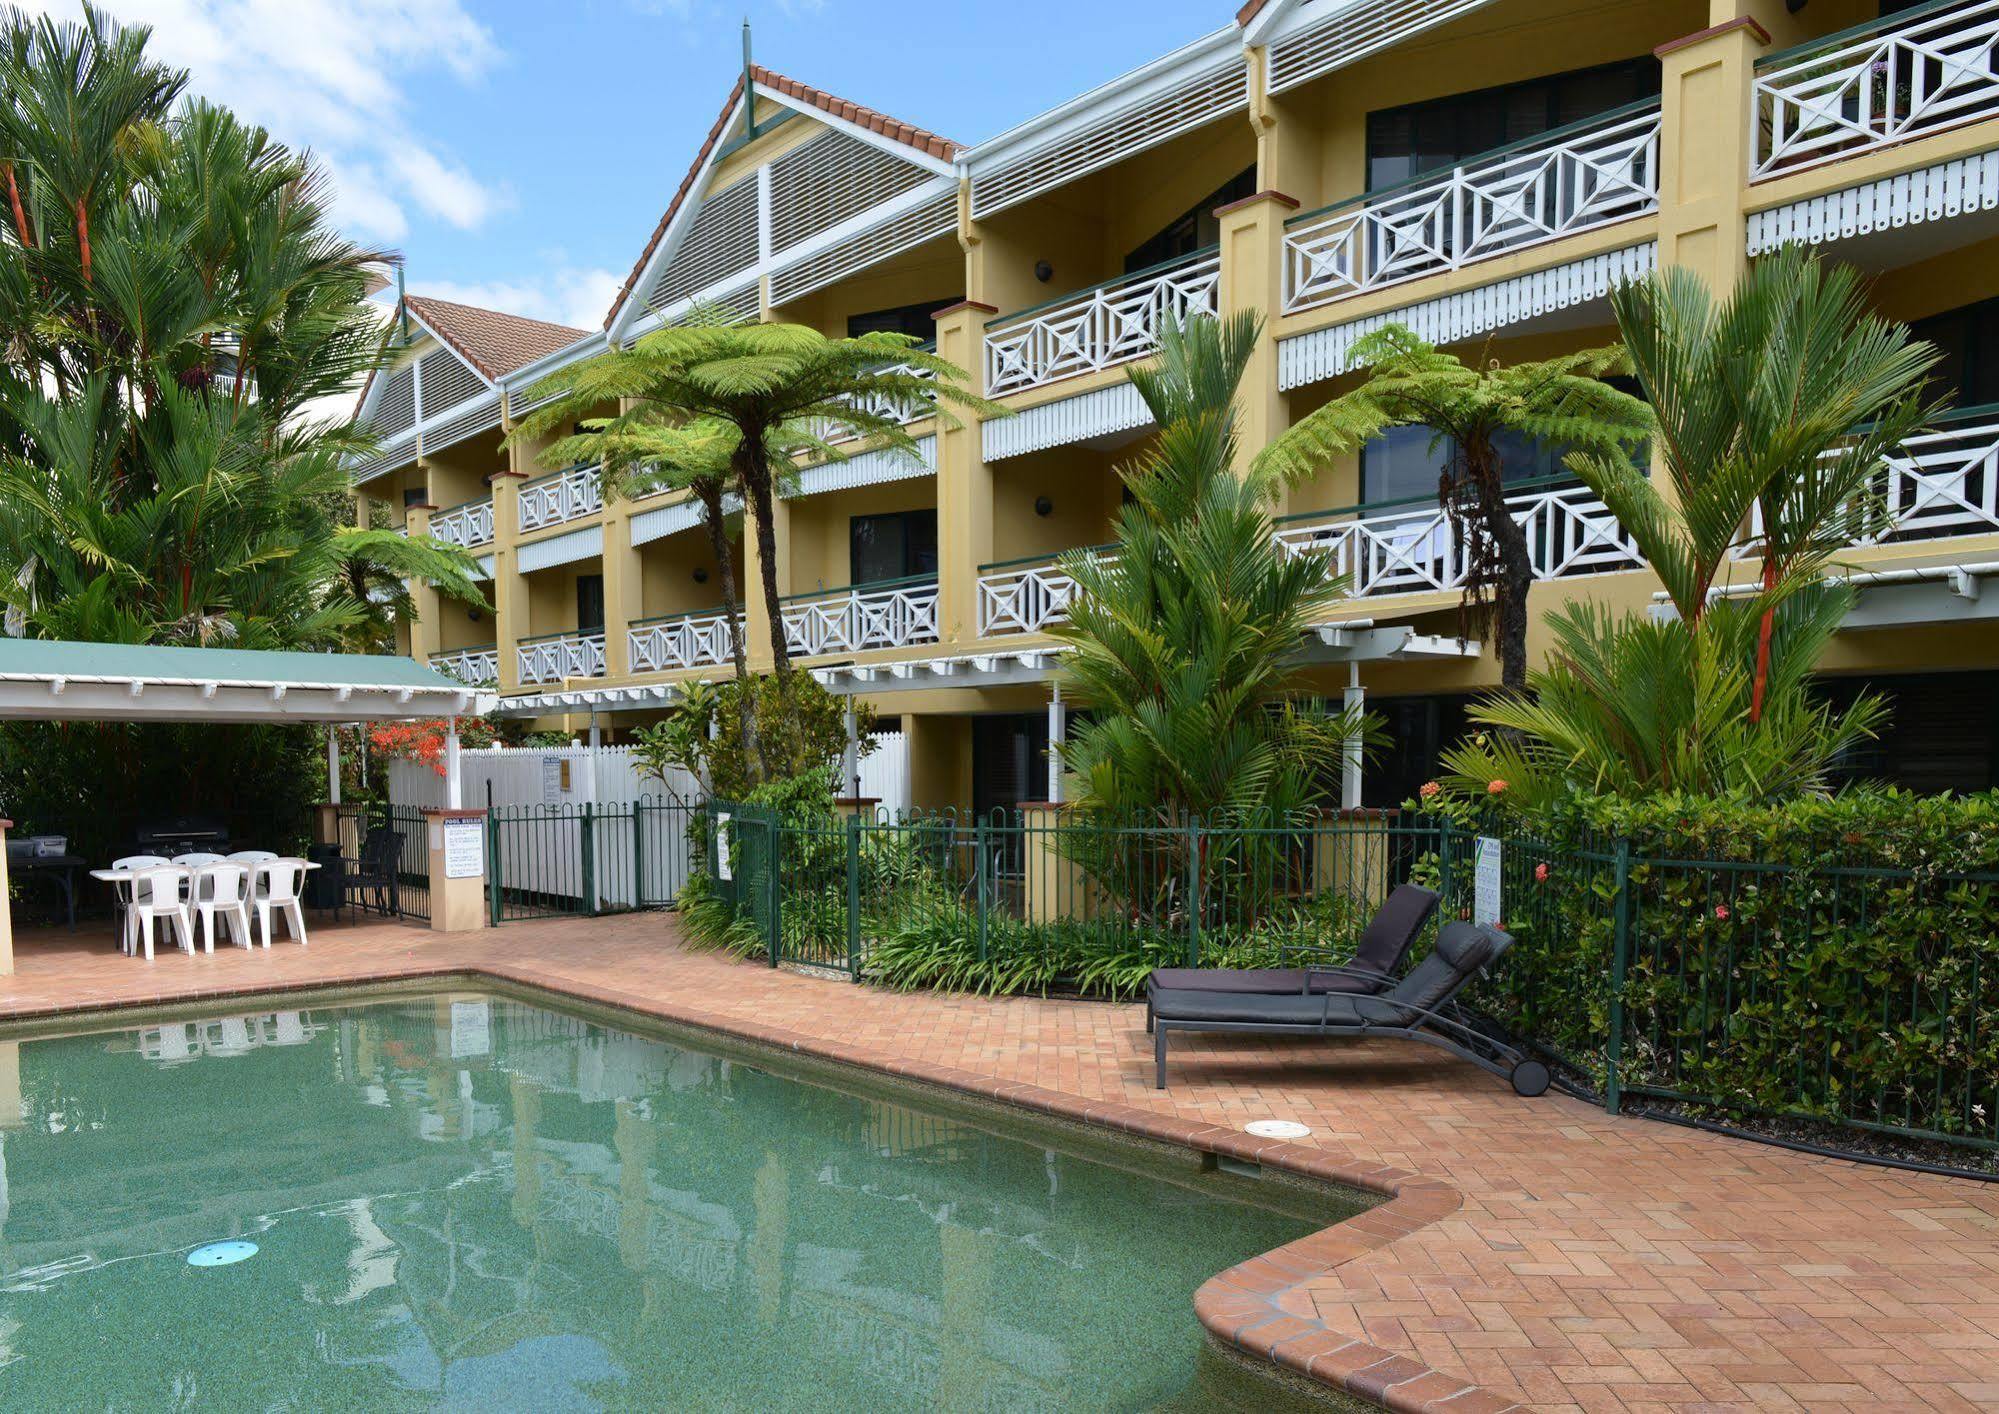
(1250,10)
(905,133)
(494,343)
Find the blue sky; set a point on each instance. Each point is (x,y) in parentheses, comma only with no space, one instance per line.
(519,153)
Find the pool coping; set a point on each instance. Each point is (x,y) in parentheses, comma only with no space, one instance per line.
(1241,1307)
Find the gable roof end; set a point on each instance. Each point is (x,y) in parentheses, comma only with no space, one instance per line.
(495,344)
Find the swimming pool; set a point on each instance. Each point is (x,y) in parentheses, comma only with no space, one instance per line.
(469,1200)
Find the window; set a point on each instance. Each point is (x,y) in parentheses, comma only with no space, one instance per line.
(1404,143)
(1968,339)
(898,545)
(1193,229)
(912,319)
(589,603)
(1009,761)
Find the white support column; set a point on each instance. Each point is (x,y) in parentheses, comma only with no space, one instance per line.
(1356,702)
(332,764)
(454,789)
(596,744)
(1058,732)
(850,755)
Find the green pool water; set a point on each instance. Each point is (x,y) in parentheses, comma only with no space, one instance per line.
(471,1202)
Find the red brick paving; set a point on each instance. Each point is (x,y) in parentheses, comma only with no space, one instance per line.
(1535,1252)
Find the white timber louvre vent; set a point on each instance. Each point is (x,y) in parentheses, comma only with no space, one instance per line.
(395,407)
(735,307)
(1351,32)
(1220,89)
(921,223)
(721,242)
(437,436)
(830,179)
(1949,189)
(447,382)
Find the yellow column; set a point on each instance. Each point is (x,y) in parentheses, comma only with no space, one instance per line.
(426,633)
(1055,886)
(964,482)
(624,590)
(1288,144)
(1253,281)
(1704,148)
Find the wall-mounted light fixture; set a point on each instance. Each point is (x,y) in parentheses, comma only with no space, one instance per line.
(1043,507)
(1043,271)
(700,575)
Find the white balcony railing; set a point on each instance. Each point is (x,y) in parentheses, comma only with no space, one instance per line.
(560,656)
(565,496)
(853,620)
(1944,483)
(1024,598)
(1111,324)
(1572,179)
(1897,79)
(901,409)
(1569,532)
(465,526)
(475,667)
(681,641)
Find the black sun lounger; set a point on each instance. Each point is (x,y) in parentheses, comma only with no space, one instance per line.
(1421,1007)
(1377,958)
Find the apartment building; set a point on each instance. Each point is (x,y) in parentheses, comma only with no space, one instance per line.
(1484,171)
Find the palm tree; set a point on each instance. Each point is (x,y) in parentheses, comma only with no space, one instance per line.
(781,389)
(1781,402)
(1559,401)
(1186,641)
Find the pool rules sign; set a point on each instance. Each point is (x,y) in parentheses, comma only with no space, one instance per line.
(1486,903)
(464,847)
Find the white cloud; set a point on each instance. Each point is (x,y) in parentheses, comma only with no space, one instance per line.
(330,75)
(562,294)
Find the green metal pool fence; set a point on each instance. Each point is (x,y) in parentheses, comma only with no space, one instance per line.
(1841,990)
(550,861)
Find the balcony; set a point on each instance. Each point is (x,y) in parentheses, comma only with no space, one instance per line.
(561,497)
(1945,483)
(1024,596)
(1099,328)
(1571,179)
(881,405)
(1875,85)
(890,614)
(556,657)
(465,526)
(679,641)
(475,667)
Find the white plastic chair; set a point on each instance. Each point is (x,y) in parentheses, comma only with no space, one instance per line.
(195,861)
(280,894)
(121,894)
(253,858)
(155,895)
(222,890)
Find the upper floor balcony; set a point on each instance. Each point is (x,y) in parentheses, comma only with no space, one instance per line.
(562,496)
(1875,85)
(887,614)
(1112,323)
(902,410)
(556,657)
(475,667)
(465,526)
(698,640)
(1559,183)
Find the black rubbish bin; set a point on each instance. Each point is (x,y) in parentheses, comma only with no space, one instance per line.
(323,885)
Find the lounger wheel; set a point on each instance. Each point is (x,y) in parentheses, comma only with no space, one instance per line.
(1530,1078)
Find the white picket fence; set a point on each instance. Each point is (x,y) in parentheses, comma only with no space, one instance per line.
(538,794)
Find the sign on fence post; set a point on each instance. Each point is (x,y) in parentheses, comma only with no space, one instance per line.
(1486,901)
(464,847)
(552,771)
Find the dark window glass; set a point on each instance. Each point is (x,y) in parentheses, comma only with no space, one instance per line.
(589,602)
(1403,143)
(1968,339)
(1009,761)
(414,496)
(912,319)
(1193,229)
(897,545)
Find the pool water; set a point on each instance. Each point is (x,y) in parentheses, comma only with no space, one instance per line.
(471,1202)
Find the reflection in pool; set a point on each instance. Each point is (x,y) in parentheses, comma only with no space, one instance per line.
(465,1201)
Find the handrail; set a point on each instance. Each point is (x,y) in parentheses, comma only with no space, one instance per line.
(1625,110)
(485,500)
(561,634)
(715,613)
(549,476)
(873,586)
(1537,483)
(469,648)
(1048,559)
(1161,268)
(1913,15)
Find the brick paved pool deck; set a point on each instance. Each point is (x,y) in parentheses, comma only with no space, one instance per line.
(1533,1252)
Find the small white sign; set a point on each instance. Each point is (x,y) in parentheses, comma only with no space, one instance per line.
(1485,906)
(551,780)
(722,847)
(471,1029)
(464,847)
